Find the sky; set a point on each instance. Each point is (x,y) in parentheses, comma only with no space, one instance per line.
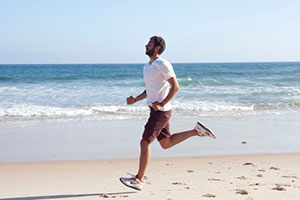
(116,31)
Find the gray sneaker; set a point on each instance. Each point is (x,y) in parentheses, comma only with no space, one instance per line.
(133,183)
(204,131)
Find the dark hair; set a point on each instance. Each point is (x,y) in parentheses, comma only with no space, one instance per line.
(159,41)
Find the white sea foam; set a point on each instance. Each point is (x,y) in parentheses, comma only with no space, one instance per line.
(30,112)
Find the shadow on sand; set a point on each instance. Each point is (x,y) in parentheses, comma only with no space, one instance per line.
(66,196)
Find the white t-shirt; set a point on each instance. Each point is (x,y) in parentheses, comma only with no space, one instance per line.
(156,78)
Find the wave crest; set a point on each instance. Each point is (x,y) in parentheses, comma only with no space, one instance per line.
(29,112)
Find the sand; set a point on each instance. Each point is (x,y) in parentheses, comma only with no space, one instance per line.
(104,140)
(246,177)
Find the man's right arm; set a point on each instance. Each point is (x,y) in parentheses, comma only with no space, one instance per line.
(132,100)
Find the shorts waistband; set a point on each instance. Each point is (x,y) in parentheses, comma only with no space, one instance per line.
(151,109)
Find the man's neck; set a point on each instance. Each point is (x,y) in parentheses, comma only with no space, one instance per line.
(152,58)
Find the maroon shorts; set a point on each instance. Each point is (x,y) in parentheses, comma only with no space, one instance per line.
(157,126)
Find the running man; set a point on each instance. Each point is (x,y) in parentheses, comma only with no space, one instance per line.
(161,86)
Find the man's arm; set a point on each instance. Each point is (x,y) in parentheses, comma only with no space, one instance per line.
(132,100)
(174,89)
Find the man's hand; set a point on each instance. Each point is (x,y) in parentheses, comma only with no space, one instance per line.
(157,106)
(131,100)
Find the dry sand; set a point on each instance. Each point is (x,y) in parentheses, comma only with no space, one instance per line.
(274,177)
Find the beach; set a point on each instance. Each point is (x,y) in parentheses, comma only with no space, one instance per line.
(242,177)
(80,81)
(250,159)
(119,139)
(66,133)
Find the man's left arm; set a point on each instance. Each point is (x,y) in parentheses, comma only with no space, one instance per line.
(174,89)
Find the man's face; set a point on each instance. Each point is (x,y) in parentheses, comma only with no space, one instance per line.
(150,48)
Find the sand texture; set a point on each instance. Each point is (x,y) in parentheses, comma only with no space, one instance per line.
(246,177)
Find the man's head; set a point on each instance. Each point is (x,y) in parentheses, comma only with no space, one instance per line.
(156,45)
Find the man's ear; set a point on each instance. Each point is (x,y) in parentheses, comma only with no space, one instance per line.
(157,48)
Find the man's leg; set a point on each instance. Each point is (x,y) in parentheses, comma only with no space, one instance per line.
(177,138)
(144,158)
(137,182)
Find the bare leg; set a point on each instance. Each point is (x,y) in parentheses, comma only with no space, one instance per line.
(144,158)
(177,138)
(165,143)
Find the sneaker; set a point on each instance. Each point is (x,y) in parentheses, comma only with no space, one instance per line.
(204,131)
(133,183)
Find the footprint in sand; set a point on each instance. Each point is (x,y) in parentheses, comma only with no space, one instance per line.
(241,177)
(241,192)
(275,168)
(208,195)
(279,188)
(104,196)
(178,183)
(249,164)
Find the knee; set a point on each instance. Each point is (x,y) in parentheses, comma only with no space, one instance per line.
(165,144)
(144,144)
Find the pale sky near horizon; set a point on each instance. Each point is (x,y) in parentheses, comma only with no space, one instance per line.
(111,31)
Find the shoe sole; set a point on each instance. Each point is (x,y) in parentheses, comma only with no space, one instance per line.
(129,185)
(210,133)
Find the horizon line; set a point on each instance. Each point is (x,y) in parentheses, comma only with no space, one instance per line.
(112,63)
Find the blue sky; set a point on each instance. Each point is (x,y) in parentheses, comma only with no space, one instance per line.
(111,31)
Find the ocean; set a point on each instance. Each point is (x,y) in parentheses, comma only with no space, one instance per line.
(81,92)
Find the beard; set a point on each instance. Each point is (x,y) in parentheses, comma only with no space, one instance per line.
(150,52)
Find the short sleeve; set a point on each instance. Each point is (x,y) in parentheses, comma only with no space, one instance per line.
(167,70)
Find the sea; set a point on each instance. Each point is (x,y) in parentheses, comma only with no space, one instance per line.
(81,92)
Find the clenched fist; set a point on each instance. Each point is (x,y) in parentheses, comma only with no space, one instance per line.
(157,106)
(131,100)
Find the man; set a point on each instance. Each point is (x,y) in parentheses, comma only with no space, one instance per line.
(161,86)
